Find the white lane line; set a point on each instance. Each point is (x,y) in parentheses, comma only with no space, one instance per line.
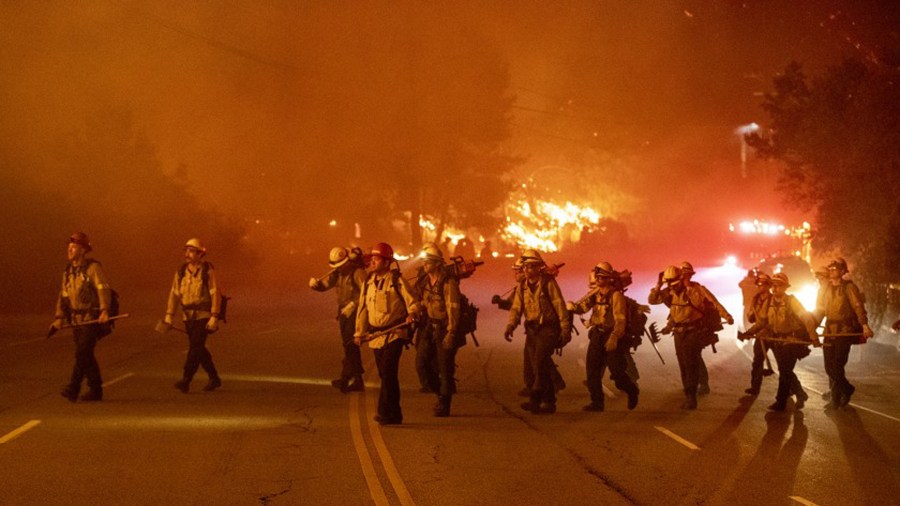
(362,451)
(386,460)
(29,341)
(857,406)
(801,500)
(16,433)
(116,380)
(678,438)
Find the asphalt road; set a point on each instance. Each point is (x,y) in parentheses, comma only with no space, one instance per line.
(278,433)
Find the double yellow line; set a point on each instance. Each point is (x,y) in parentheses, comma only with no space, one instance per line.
(360,406)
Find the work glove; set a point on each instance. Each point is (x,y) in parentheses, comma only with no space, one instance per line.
(570,307)
(867,332)
(168,320)
(313,283)
(104,317)
(349,310)
(495,300)
(213,324)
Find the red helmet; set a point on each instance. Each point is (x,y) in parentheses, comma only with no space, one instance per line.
(81,239)
(384,250)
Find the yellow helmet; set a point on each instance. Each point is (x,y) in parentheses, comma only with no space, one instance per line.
(532,256)
(672,274)
(604,270)
(781,279)
(431,252)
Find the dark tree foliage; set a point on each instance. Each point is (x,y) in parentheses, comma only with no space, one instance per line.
(839,137)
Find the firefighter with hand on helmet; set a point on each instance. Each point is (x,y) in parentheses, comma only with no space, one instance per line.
(347,277)
(685,302)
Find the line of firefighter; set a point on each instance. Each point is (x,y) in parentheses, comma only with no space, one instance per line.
(88,305)
(381,308)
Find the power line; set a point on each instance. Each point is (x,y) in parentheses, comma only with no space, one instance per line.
(222,46)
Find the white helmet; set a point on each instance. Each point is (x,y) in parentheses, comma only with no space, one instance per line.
(195,244)
(338,257)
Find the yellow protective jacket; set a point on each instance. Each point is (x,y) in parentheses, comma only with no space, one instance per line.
(196,290)
(540,303)
(84,292)
(385,301)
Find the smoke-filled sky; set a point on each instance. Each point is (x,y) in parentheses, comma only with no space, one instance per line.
(146,122)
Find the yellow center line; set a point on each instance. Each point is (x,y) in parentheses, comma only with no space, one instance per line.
(678,438)
(365,460)
(116,380)
(387,461)
(801,500)
(16,433)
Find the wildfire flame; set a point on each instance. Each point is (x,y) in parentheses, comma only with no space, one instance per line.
(548,225)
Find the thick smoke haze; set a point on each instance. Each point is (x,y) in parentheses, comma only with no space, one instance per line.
(254,125)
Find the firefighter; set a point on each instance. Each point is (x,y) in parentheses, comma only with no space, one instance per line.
(505,303)
(196,291)
(687,272)
(346,277)
(754,311)
(785,319)
(84,296)
(686,320)
(387,308)
(841,305)
(608,345)
(439,295)
(547,322)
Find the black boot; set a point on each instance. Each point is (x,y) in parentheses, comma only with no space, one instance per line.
(355,385)
(690,402)
(778,405)
(214,383)
(442,407)
(94,394)
(183,384)
(633,398)
(70,394)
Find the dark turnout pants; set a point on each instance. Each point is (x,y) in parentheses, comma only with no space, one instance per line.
(688,347)
(426,359)
(836,353)
(786,355)
(598,359)
(198,355)
(545,339)
(387,359)
(352,363)
(86,365)
(437,373)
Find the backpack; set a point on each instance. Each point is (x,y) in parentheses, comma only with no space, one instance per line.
(636,322)
(468,320)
